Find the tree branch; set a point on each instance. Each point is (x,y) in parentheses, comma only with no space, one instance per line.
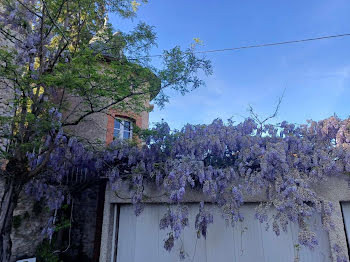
(53,21)
(7,35)
(76,122)
(26,7)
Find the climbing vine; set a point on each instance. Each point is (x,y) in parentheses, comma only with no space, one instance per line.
(224,162)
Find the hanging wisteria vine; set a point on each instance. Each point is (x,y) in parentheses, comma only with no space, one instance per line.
(223,162)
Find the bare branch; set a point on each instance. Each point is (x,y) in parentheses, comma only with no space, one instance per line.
(256,117)
(276,109)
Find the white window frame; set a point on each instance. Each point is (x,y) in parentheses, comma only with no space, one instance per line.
(121,129)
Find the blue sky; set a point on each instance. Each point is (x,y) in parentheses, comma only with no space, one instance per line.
(315,75)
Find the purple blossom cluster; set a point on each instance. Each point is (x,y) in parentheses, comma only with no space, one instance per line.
(203,219)
(176,219)
(179,177)
(63,158)
(20,22)
(307,238)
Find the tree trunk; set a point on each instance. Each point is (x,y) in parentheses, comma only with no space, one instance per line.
(7,206)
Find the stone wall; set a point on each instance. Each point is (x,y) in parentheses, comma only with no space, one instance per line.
(30,218)
(27,234)
(6,95)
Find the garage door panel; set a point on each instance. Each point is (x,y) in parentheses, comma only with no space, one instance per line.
(220,239)
(248,237)
(146,242)
(195,249)
(127,233)
(276,248)
(140,239)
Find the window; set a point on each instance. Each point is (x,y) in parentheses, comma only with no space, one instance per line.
(122,129)
(139,239)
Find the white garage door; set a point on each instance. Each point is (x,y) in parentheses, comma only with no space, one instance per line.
(141,240)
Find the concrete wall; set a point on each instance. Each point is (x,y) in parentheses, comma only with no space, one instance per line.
(335,189)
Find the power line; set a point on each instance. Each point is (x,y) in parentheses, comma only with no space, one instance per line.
(260,45)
